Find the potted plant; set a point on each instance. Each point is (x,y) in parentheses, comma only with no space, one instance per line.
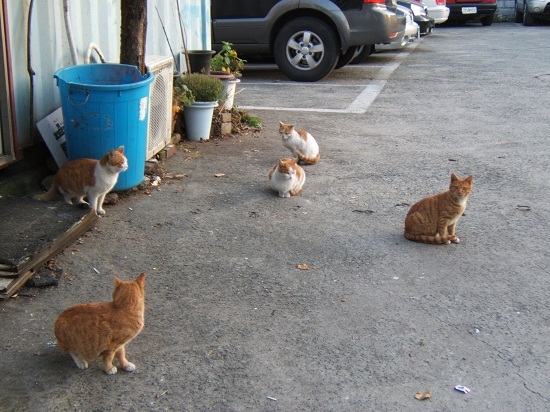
(199,95)
(200,60)
(227,65)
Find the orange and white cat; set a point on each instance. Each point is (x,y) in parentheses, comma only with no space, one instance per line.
(88,177)
(287,177)
(91,330)
(434,219)
(300,143)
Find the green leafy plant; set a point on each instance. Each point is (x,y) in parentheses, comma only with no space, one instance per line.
(251,120)
(227,60)
(197,87)
(182,96)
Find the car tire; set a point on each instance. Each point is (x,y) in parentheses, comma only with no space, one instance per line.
(307,32)
(518,15)
(346,58)
(528,19)
(362,53)
(487,20)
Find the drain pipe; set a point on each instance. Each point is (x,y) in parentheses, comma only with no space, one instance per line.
(69,32)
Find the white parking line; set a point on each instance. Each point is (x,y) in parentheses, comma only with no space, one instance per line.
(363,101)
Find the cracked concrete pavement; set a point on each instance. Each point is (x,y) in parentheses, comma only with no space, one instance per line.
(233,325)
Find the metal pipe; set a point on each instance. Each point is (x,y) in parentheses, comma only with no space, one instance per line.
(72,46)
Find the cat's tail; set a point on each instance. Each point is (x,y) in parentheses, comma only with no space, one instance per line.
(307,160)
(434,240)
(50,194)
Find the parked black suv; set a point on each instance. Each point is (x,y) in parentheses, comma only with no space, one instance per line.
(307,38)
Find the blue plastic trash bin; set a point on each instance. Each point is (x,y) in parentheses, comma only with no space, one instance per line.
(106,106)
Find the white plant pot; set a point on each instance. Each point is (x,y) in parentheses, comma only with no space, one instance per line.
(198,120)
(229,93)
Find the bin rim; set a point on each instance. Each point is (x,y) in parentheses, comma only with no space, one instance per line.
(144,80)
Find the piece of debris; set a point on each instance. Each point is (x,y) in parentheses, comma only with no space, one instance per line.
(303,266)
(423,395)
(156,180)
(367,211)
(96,271)
(272,399)
(524,208)
(44,277)
(111,199)
(175,176)
(219,174)
(403,204)
(462,389)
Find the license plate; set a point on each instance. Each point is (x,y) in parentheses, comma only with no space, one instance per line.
(469,10)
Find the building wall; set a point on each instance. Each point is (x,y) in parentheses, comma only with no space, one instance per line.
(98,22)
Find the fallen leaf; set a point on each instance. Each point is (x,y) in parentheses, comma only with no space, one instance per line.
(303,266)
(423,395)
(219,174)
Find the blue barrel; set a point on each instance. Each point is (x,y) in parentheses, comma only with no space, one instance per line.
(106,106)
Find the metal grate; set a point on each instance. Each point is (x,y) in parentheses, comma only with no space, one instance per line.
(160,109)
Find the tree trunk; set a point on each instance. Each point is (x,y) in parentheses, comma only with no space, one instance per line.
(133,32)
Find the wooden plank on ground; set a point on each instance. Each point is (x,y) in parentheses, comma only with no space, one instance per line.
(48,252)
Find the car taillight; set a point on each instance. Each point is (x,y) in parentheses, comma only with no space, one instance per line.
(374,1)
(440,2)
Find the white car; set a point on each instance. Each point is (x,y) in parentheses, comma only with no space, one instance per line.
(412,31)
(437,10)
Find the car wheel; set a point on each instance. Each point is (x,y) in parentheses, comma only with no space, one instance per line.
(518,15)
(306,49)
(362,53)
(345,58)
(487,20)
(528,19)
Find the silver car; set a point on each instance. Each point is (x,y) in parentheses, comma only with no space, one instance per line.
(530,12)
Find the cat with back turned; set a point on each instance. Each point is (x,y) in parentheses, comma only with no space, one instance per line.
(433,219)
(300,143)
(102,329)
(92,178)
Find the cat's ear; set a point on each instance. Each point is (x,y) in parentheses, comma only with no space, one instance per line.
(117,281)
(141,279)
(281,123)
(453,177)
(120,149)
(469,179)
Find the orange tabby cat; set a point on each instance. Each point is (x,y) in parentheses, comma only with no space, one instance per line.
(103,328)
(300,143)
(434,219)
(287,177)
(88,177)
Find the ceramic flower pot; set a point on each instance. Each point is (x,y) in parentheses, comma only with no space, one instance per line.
(198,120)
(229,93)
(200,60)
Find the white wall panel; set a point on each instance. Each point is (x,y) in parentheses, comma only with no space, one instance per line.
(96,21)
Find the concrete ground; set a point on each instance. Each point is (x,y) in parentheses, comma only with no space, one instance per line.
(233,325)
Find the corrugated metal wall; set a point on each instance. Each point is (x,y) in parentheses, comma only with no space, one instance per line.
(96,21)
